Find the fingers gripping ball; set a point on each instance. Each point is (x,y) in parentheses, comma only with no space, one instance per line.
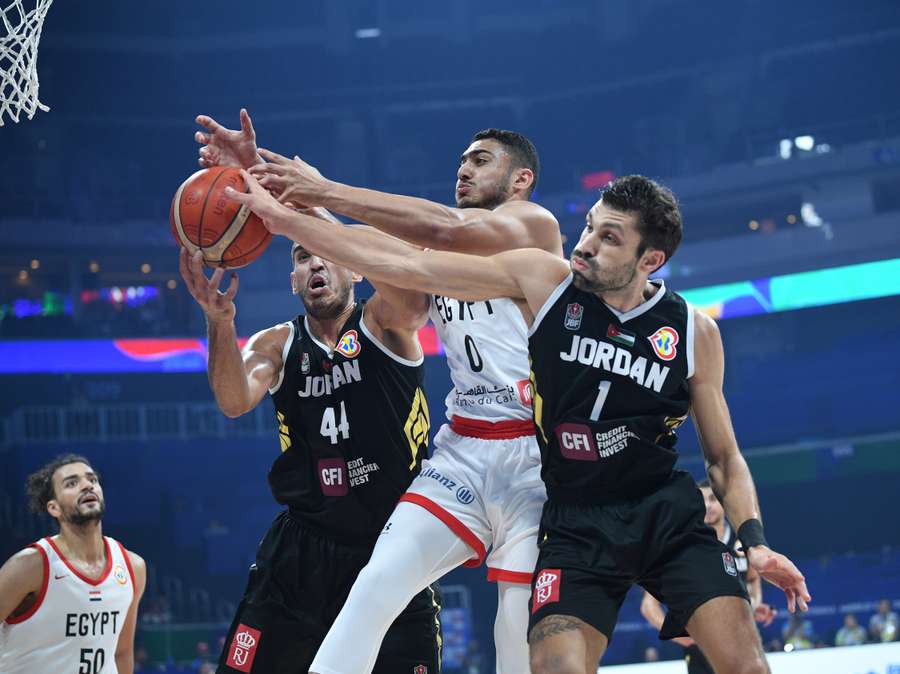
(203,218)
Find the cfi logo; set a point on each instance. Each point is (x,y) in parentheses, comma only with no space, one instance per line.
(546,588)
(464,495)
(349,344)
(243,648)
(663,342)
(120,575)
(573,316)
(304,363)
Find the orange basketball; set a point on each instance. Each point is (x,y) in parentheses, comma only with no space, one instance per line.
(203,218)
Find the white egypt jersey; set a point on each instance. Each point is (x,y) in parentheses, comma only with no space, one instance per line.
(483,479)
(75,624)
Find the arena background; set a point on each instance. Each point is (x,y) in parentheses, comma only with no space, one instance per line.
(777,124)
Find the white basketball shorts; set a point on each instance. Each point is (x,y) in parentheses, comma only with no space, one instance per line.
(484,482)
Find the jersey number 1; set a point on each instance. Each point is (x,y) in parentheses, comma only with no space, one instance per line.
(332,426)
(601,400)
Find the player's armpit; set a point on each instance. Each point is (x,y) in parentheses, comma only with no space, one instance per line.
(22,575)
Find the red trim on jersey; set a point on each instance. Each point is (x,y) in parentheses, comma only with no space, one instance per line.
(492,430)
(128,564)
(504,576)
(43,593)
(454,524)
(89,581)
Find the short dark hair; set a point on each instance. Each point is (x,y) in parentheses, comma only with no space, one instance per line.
(39,485)
(522,151)
(659,217)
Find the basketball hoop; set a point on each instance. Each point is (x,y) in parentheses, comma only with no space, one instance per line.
(18,58)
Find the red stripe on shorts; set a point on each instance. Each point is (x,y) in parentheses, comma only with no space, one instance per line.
(454,524)
(492,430)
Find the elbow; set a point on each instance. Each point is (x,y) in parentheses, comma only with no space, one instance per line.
(233,411)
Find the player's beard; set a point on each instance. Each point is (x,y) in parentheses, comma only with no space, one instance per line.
(607,280)
(324,308)
(77,517)
(492,195)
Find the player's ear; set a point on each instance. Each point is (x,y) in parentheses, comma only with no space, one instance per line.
(652,260)
(295,288)
(524,178)
(53,508)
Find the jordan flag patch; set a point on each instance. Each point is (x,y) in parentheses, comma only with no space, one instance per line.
(619,336)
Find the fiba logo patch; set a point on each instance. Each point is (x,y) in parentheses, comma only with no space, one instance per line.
(243,648)
(728,562)
(574,312)
(420,669)
(546,588)
(348,344)
(120,575)
(464,495)
(663,342)
(304,363)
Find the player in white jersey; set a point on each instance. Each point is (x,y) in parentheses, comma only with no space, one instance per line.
(479,497)
(69,602)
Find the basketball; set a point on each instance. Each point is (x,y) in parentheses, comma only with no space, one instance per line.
(203,218)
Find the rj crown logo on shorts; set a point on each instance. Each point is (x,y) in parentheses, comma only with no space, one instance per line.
(546,588)
(243,648)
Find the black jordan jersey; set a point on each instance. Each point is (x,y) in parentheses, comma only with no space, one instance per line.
(353,425)
(609,391)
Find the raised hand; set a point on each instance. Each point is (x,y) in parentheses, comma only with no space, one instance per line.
(781,572)
(217,306)
(290,180)
(275,216)
(226,147)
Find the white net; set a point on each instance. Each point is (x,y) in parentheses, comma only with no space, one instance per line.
(18,57)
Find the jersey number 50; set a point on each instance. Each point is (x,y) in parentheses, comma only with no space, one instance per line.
(92,661)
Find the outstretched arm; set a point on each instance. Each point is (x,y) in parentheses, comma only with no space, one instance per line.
(238,380)
(522,274)
(479,231)
(729,475)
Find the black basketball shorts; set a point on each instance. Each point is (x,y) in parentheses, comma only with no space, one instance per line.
(297,586)
(590,555)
